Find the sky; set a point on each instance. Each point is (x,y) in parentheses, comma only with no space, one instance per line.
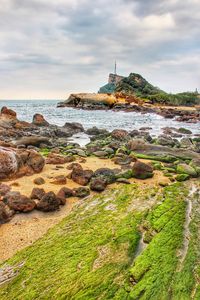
(51,48)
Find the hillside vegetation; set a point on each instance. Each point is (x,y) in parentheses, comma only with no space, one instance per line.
(127,243)
(136,85)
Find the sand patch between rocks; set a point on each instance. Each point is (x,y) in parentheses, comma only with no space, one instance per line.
(24,229)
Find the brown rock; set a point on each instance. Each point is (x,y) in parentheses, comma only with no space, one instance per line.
(39,120)
(98,184)
(61,179)
(141,170)
(81,176)
(55,159)
(8,111)
(9,162)
(74,165)
(35,161)
(37,193)
(4,189)
(63,194)
(49,202)
(119,134)
(18,202)
(5,213)
(81,192)
(39,181)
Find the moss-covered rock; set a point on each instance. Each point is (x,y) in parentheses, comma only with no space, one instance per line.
(186,169)
(182,177)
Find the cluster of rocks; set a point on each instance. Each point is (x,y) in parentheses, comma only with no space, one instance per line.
(17,162)
(180,115)
(39,133)
(12,202)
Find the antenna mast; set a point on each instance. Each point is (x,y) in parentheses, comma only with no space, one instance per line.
(115,68)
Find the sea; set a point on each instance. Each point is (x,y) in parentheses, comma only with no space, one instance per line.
(88,118)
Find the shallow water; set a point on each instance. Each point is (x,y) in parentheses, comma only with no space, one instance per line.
(102,119)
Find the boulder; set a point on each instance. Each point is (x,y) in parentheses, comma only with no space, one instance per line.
(39,181)
(63,194)
(60,179)
(56,159)
(18,202)
(7,111)
(96,131)
(195,163)
(49,202)
(106,174)
(9,162)
(37,193)
(81,192)
(119,134)
(5,213)
(100,153)
(39,120)
(74,166)
(33,141)
(165,140)
(124,160)
(98,184)
(35,161)
(81,176)
(74,127)
(123,180)
(4,189)
(184,131)
(182,177)
(186,169)
(18,162)
(141,170)
(162,153)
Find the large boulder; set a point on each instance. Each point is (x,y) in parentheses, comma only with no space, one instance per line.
(18,202)
(141,170)
(49,202)
(9,163)
(158,152)
(18,162)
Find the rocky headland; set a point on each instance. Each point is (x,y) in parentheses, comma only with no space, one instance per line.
(134,93)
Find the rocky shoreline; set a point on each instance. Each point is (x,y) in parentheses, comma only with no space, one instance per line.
(118,102)
(25,149)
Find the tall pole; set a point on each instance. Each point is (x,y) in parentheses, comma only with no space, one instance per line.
(115,67)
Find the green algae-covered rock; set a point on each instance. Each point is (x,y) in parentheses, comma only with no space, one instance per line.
(182,177)
(186,169)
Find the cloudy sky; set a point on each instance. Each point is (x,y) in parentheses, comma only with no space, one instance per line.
(49,48)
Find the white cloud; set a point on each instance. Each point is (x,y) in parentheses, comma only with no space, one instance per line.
(48,45)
